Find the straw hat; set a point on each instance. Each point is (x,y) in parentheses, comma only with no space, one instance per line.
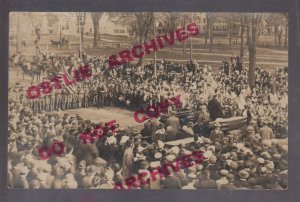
(170,158)
(154,164)
(243,174)
(157,155)
(217,124)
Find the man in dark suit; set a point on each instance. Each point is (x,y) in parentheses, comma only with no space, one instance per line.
(246,113)
(206,183)
(172,182)
(215,109)
(217,135)
(230,185)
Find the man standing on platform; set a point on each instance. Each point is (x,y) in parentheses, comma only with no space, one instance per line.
(215,109)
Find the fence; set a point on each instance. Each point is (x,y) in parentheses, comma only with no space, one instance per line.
(30,47)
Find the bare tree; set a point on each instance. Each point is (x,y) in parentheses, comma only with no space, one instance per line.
(141,24)
(229,30)
(206,32)
(247,22)
(210,17)
(254,20)
(243,26)
(96,17)
(81,22)
(185,18)
(171,22)
(286,24)
(280,22)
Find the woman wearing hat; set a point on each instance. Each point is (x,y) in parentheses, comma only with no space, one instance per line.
(128,159)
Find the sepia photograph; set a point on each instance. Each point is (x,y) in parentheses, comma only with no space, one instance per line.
(148,100)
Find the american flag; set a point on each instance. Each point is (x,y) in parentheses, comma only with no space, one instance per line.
(68,82)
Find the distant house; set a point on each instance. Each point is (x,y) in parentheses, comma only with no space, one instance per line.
(49,23)
(108,26)
(220,25)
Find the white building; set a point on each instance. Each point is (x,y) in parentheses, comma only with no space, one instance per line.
(108,26)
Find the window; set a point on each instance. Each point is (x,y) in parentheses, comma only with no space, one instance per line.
(204,20)
(116,31)
(122,31)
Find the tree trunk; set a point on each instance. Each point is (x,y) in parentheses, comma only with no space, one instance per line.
(211,39)
(242,36)
(206,33)
(252,52)
(248,32)
(280,36)
(141,59)
(286,36)
(229,34)
(252,61)
(275,35)
(183,43)
(82,34)
(206,36)
(96,30)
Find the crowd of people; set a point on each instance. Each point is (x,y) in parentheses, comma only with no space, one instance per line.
(250,157)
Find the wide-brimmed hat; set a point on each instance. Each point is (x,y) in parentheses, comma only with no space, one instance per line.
(154,164)
(243,174)
(202,106)
(170,157)
(224,172)
(157,155)
(217,124)
(234,165)
(192,175)
(96,180)
(91,169)
(174,150)
(260,160)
